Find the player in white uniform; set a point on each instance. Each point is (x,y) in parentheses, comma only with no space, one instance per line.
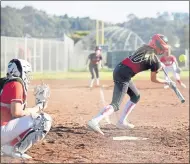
(171,65)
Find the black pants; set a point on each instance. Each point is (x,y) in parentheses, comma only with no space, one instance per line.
(122,85)
(95,68)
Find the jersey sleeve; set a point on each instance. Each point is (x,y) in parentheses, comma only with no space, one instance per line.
(16,94)
(155,64)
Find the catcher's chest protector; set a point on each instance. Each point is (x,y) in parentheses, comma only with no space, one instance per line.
(4,81)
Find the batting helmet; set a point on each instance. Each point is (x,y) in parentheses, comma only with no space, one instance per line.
(159,42)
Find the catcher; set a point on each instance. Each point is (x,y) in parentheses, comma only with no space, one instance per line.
(171,65)
(21,127)
(144,58)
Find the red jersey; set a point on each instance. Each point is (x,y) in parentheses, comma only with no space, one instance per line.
(143,59)
(12,92)
(168,60)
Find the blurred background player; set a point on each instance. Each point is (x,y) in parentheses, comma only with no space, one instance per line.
(143,58)
(21,127)
(171,65)
(94,62)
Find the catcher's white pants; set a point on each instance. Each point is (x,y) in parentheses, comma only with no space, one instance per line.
(14,128)
(172,69)
(19,125)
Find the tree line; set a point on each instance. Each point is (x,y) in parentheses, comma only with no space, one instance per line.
(31,22)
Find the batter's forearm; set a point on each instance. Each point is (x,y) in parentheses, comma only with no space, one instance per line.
(159,81)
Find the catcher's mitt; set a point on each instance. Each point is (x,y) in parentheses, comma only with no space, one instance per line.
(42,93)
(178,70)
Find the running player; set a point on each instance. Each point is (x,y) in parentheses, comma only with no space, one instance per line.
(144,58)
(171,65)
(94,63)
(21,127)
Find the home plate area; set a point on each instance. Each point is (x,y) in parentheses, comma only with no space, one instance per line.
(161,132)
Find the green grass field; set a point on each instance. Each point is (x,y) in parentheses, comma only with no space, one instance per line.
(103,75)
(85,75)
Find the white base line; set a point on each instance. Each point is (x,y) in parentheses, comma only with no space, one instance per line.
(130,138)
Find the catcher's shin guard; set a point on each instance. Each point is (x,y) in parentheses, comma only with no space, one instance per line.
(42,125)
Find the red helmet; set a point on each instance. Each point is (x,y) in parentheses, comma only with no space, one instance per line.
(160,43)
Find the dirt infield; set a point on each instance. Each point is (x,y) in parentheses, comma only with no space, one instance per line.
(159,116)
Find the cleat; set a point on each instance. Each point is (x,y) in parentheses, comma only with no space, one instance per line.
(107,120)
(183,85)
(92,124)
(9,151)
(125,125)
(19,155)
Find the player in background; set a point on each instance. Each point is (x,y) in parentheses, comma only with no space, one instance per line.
(21,126)
(171,65)
(94,62)
(144,58)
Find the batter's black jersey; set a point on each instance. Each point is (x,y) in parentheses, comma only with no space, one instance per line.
(94,59)
(143,59)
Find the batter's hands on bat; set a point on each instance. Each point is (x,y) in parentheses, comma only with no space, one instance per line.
(162,65)
(42,94)
(171,84)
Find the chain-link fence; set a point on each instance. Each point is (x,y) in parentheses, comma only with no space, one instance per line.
(60,56)
(44,55)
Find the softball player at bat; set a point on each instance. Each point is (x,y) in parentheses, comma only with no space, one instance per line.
(144,58)
(171,65)
(94,63)
(21,127)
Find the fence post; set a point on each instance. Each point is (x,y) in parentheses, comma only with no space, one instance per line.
(25,48)
(57,60)
(16,48)
(65,68)
(41,55)
(187,58)
(49,55)
(34,56)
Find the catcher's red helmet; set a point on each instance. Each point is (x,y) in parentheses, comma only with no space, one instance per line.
(159,42)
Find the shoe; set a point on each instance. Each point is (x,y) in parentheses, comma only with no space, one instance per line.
(183,85)
(9,151)
(91,83)
(166,86)
(124,125)
(107,120)
(94,126)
